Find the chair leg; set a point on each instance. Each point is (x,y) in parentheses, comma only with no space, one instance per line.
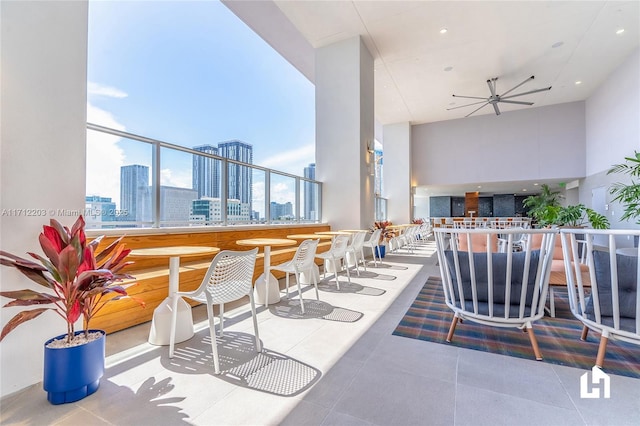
(286,280)
(452,328)
(534,342)
(255,322)
(299,291)
(174,320)
(585,331)
(315,284)
(347,268)
(602,349)
(214,344)
(221,319)
(375,260)
(364,261)
(552,305)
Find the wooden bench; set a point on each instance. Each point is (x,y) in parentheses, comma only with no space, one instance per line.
(152,275)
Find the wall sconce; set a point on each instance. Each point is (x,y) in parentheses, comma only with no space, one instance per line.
(370,149)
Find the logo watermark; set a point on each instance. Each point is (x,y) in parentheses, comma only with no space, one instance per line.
(590,386)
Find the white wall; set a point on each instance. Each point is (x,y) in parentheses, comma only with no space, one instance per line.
(613,117)
(533,143)
(397,171)
(344,127)
(42,152)
(612,133)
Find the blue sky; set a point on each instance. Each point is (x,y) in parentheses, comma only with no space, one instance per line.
(190,73)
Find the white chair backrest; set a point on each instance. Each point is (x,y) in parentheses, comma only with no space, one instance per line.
(375,238)
(229,276)
(305,255)
(498,287)
(358,240)
(339,245)
(612,302)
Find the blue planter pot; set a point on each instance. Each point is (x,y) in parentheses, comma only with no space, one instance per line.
(71,374)
(380,251)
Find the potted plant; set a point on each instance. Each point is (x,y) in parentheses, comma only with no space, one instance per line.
(537,204)
(81,280)
(627,194)
(385,236)
(573,216)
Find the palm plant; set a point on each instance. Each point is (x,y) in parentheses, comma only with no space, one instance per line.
(538,204)
(628,194)
(81,278)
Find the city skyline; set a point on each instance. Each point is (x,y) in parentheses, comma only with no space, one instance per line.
(189,73)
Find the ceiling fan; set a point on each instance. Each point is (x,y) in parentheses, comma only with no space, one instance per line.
(494,99)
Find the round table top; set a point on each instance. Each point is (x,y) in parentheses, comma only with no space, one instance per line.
(353,231)
(333,233)
(174,251)
(309,237)
(266,242)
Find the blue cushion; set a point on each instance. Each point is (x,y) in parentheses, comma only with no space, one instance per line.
(627,286)
(499,280)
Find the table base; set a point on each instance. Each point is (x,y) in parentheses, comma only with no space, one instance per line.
(161,325)
(260,291)
(306,278)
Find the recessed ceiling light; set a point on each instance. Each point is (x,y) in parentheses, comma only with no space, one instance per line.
(620,31)
(557,44)
(479,186)
(524,189)
(578,82)
(452,103)
(448,68)
(535,184)
(443,31)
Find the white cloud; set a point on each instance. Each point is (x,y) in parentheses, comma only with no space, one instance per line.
(180,179)
(104,156)
(293,161)
(281,193)
(95,89)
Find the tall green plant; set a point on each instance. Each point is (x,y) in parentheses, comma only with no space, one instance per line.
(627,194)
(574,216)
(538,204)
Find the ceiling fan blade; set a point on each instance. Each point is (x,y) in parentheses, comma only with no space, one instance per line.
(514,88)
(492,85)
(516,102)
(462,106)
(468,97)
(527,93)
(496,109)
(478,109)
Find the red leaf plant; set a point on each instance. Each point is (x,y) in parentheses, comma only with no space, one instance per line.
(83,280)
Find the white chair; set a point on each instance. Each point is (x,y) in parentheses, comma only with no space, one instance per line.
(355,253)
(498,289)
(373,242)
(334,257)
(613,306)
(303,261)
(228,278)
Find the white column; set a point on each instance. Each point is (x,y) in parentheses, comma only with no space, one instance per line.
(344,129)
(43,103)
(397,171)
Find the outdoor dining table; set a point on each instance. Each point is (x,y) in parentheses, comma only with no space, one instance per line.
(267,289)
(161,323)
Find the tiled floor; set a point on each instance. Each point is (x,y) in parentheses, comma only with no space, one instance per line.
(337,365)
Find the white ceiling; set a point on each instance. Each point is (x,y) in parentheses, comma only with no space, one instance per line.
(511,40)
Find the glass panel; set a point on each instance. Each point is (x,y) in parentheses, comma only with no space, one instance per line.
(283,198)
(310,200)
(381,209)
(258,204)
(206,208)
(239,194)
(118,182)
(176,187)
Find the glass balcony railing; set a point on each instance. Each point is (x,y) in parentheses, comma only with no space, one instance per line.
(138,182)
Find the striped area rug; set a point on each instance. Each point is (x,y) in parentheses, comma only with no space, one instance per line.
(429,319)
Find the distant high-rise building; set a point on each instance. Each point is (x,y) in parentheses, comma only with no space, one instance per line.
(207,211)
(239,178)
(175,204)
(377,185)
(99,209)
(135,194)
(281,211)
(310,194)
(206,172)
